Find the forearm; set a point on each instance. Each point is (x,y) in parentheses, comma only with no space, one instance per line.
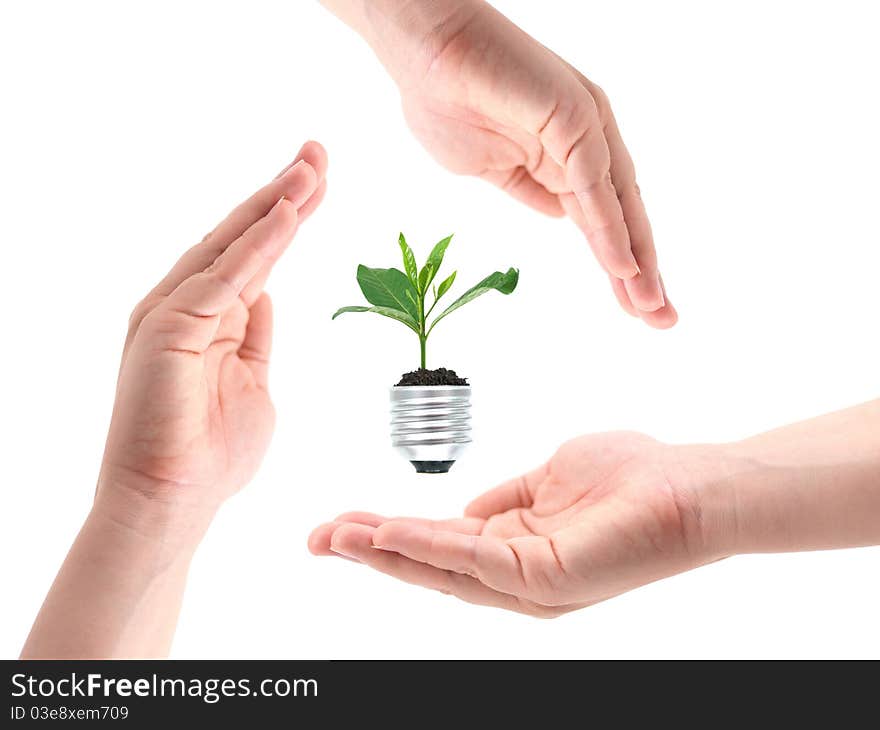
(119,591)
(405,34)
(813,485)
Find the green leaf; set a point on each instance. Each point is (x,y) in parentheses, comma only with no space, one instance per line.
(425,278)
(445,285)
(409,261)
(505,283)
(387,288)
(385,312)
(435,258)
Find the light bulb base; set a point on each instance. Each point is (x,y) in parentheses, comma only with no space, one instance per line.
(431,425)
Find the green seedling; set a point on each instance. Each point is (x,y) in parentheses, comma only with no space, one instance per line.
(402,295)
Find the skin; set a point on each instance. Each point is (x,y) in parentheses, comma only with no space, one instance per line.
(611,512)
(607,513)
(488,100)
(191,423)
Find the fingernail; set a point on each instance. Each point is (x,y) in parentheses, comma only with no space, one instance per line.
(343,554)
(278,203)
(658,301)
(634,268)
(295,163)
(652,300)
(271,213)
(382,547)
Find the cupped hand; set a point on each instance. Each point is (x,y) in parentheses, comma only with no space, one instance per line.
(606,514)
(486,99)
(193,417)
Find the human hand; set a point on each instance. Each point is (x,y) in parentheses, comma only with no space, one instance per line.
(606,514)
(486,99)
(191,422)
(193,417)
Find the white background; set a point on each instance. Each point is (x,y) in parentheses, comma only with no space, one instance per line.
(128,131)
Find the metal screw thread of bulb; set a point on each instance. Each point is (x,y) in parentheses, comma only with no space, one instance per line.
(431,425)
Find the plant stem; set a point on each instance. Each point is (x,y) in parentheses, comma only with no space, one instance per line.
(428,313)
(423,337)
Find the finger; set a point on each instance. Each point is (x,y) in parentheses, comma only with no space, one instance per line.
(518,492)
(619,289)
(189,317)
(296,185)
(573,138)
(490,560)
(315,155)
(663,318)
(356,542)
(604,225)
(210,292)
(257,344)
(523,187)
(577,138)
(309,207)
(362,518)
(464,525)
(253,290)
(573,210)
(319,541)
(295,182)
(302,182)
(644,288)
(644,291)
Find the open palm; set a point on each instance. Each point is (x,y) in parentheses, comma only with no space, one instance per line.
(606,514)
(491,101)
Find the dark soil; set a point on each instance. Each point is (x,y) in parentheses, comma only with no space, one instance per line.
(440,376)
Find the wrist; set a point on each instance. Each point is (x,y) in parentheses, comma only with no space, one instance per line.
(168,523)
(707,476)
(407,36)
(118,592)
(807,486)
